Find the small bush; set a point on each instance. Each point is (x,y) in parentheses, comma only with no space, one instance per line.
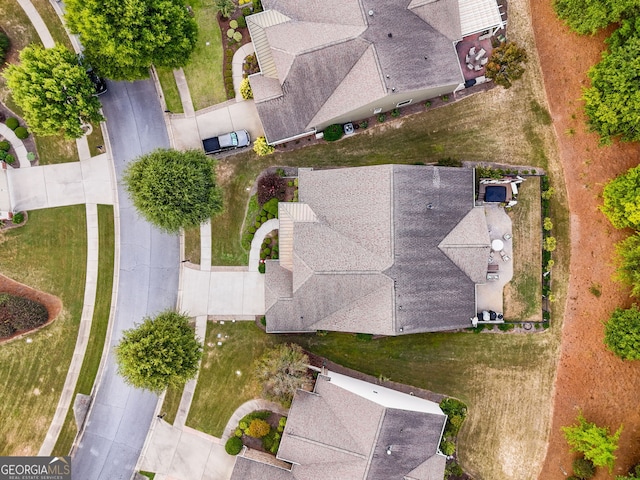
(262,268)
(258,428)
(237,37)
(5,146)
(242,23)
(257,6)
(233,24)
(382,117)
(31,156)
(448,448)
(252,229)
(263,321)
(10,159)
(263,219)
(281,424)
(427,104)
(547,224)
(245,89)
(549,244)
(364,337)
(547,194)
(12,123)
(258,224)
(267,251)
(22,133)
(233,446)
(238,432)
(333,132)
(583,468)
(364,124)
(267,241)
(246,11)
(445,98)
(395,112)
(261,147)
(230,32)
(18,218)
(271,207)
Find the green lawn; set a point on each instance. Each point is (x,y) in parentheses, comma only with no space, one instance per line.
(192,245)
(56,149)
(220,391)
(523,295)
(53,23)
(171,403)
(96,139)
(170,90)
(204,70)
(48,253)
(99,324)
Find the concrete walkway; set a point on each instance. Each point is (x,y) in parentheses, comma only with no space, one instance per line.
(256,244)
(87,181)
(16,143)
(38,23)
(183,90)
(236,67)
(66,397)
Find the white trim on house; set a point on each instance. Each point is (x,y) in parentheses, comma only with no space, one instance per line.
(404,103)
(295,137)
(384,396)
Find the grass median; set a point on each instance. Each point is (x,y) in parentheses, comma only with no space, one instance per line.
(49,254)
(99,324)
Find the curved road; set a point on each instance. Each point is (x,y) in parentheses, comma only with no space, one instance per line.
(149,262)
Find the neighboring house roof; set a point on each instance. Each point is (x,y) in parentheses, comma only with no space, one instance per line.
(387,249)
(344,429)
(324,58)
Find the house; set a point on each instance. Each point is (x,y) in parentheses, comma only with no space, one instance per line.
(385,250)
(335,61)
(348,429)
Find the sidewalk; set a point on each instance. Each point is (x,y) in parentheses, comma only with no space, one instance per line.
(236,67)
(38,23)
(16,143)
(256,244)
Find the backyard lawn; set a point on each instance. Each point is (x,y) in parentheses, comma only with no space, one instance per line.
(204,71)
(99,324)
(49,254)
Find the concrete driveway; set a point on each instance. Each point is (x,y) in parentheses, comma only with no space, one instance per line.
(88,181)
(229,292)
(223,118)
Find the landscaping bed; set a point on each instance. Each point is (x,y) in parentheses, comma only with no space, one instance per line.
(260,430)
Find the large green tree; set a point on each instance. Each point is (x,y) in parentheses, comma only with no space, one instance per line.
(506,64)
(588,16)
(54,91)
(123,38)
(173,189)
(282,371)
(622,200)
(161,352)
(594,442)
(622,333)
(612,102)
(628,263)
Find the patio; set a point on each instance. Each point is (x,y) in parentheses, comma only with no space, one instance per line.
(474,44)
(489,296)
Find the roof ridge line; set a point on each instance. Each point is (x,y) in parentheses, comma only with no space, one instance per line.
(330,447)
(375,442)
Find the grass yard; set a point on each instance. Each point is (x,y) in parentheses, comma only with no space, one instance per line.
(192,245)
(204,70)
(48,253)
(171,403)
(523,295)
(56,150)
(99,324)
(96,139)
(170,90)
(220,391)
(53,23)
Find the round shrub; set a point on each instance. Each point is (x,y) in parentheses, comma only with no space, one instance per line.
(18,218)
(267,251)
(583,468)
(261,147)
(5,146)
(267,241)
(258,223)
(230,32)
(242,23)
(21,133)
(333,132)
(31,156)
(263,219)
(269,216)
(262,268)
(258,428)
(252,229)
(233,446)
(238,432)
(237,37)
(448,448)
(12,123)
(10,159)
(233,24)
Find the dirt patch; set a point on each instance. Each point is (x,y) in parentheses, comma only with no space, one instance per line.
(52,303)
(588,376)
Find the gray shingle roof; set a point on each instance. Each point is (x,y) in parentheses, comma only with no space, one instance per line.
(395,250)
(335,433)
(317,51)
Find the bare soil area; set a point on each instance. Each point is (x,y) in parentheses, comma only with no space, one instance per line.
(589,377)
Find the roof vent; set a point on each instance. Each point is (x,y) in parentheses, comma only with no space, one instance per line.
(390,35)
(430,206)
(389,450)
(370,13)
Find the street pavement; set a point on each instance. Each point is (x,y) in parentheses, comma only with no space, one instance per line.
(120,416)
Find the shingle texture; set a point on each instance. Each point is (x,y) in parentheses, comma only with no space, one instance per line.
(334,433)
(394,249)
(331,57)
